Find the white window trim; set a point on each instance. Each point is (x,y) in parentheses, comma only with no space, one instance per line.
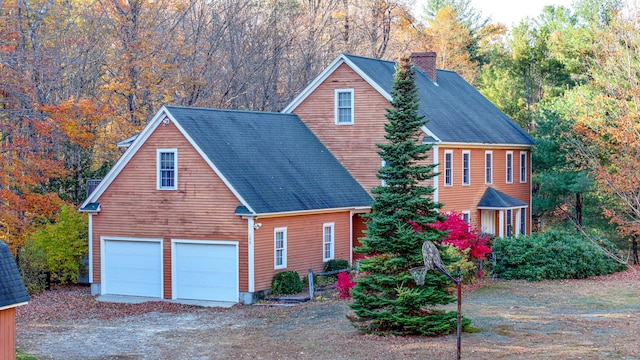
(522,221)
(383,182)
(448,168)
(468,154)
(335,104)
(508,168)
(468,214)
(324,241)
(490,153)
(284,248)
(159,173)
(523,171)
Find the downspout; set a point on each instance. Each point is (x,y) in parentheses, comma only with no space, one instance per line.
(435,178)
(250,255)
(90,231)
(351,238)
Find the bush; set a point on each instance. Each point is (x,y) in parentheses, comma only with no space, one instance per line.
(344,284)
(63,243)
(32,265)
(286,282)
(459,259)
(336,264)
(552,255)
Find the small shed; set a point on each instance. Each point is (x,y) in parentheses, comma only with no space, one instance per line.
(12,294)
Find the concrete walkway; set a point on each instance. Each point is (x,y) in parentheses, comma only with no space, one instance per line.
(141,299)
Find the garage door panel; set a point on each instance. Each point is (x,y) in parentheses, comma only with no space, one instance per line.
(133,268)
(207,271)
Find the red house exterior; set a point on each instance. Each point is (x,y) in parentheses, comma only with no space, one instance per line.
(210,204)
(483,157)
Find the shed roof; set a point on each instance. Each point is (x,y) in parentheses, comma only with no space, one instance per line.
(12,290)
(495,199)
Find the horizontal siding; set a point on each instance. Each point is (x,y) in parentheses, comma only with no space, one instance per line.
(304,244)
(201,208)
(8,333)
(353,145)
(465,198)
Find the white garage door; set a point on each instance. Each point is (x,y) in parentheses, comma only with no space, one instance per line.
(205,270)
(132,267)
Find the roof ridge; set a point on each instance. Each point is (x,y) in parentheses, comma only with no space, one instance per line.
(225,110)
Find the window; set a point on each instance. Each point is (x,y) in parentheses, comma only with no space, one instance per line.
(448,167)
(383,182)
(523,166)
(466,167)
(523,221)
(488,167)
(466,216)
(280,248)
(509,222)
(327,240)
(344,106)
(509,167)
(167,178)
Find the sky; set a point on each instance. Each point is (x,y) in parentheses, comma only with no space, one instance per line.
(509,12)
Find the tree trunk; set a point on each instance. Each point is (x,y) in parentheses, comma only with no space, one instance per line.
(579,210)
(634,249)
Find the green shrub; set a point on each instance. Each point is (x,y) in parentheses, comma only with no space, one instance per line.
(63,243)
(336,264)
(286,282)
(33,266)
(552,255)
(468,269)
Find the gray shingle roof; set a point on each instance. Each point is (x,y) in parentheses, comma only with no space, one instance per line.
(12,290)
(496,199)
(456,111)
(272,160)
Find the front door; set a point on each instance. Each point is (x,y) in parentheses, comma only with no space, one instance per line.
(489,222)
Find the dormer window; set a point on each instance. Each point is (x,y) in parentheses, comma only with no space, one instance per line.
(344,106)
(167,165)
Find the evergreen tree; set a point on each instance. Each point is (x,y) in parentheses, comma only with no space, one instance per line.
(386,297)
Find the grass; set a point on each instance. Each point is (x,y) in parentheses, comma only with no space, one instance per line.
(22,356)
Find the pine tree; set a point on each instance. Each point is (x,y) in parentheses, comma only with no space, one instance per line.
(386,297)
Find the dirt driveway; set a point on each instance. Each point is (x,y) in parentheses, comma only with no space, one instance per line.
(597,318)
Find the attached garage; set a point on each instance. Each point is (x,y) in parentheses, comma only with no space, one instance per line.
(132,267)
(205,270)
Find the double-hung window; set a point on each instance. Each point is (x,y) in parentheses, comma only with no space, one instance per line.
(280,248)
(167,165)
(448,167)
(509,164)
(466,216)
(488,167)
(523,166)
(327,241)
(466,167)
(523,221)
(344,106)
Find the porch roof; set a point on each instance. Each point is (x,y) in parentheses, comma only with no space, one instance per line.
(497,200)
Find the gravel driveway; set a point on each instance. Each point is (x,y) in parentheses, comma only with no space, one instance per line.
(596,318)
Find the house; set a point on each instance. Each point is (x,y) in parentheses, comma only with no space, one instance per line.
(483,156)
(12,294)
(210,204)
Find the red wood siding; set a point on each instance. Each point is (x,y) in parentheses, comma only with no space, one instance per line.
(202,208)
(304,244)
(8,333)
(465,198)
(353,145)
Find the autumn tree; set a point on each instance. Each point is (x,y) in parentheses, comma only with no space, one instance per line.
(607,112)
(386,298)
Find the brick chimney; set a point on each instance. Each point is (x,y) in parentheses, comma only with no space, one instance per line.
(425,61)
